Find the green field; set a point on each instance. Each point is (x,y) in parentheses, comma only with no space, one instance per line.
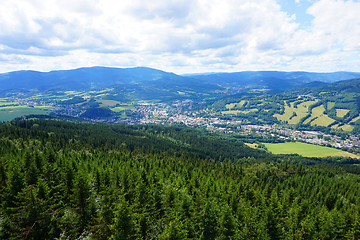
(301,111)
(8,104)
(306,150)
(322,120)
(318,118)
(8,114)
(287,113)
(345,127)
(72,93)
(250,111)
(330,105)
(235,105)
(108,103)
(316,112)
(235,112)
(341,112)
(355,119)
(121,108)
(232,112)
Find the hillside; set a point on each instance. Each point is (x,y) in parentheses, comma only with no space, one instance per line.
(69,181)
(145,83)
(80,79)
(274,80)
(152,82)
(335,106)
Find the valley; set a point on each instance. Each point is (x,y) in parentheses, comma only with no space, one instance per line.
(154,161)
(187,113)
(244,107)
(175,120)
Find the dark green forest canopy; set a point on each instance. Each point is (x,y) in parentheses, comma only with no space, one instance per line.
(63,180)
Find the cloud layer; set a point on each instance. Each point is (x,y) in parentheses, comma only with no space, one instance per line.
(178,35)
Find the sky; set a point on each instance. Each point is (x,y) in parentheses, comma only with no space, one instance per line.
(181,36)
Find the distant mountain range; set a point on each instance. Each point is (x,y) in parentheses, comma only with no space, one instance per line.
(147,80)
(330,100)
(274,80)
(84,78)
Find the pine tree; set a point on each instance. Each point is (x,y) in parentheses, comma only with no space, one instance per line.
(82,200)
(208,220)
(174,231)
(124,227)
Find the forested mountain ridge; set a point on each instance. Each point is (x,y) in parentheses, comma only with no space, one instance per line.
(274,80)
(141,78)
(81,78)
(60,180)
(141,81)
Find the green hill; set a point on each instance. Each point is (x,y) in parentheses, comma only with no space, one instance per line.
(61,180)
(334,106)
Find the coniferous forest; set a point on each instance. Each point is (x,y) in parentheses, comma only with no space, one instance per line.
(64,180)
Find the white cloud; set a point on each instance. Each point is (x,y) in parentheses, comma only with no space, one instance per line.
(338,21)
(177,35)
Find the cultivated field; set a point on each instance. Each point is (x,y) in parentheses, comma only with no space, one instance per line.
(252,145)
(108,103)
(341,112)
(346,127)
(231,106)
(231,112)
(121,108)
(355,119)
(322,120)
(300,110)
(234,112)
(330,105)
(318,118)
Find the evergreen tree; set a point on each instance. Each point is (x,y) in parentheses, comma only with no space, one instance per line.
(124,227)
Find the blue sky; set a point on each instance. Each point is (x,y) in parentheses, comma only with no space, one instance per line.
(298,9)
(181,36)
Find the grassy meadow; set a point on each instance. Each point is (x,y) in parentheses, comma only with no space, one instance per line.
(293,114)
(330,105)
(108,103)
(10,113)
(355,119)
(234,112)
(306,150)
(301,111)
(341,112)
(121,108)
(235,105)
(252,145)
